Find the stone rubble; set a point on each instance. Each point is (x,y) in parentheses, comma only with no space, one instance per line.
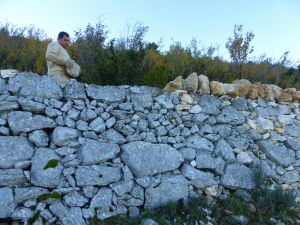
(69,155)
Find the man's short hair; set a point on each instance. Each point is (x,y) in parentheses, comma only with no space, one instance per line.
(62,34)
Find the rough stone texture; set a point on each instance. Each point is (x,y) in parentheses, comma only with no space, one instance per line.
(108,94)
(32,85)
(3,86)
(191,83)
(39,138)
(203,84)
(94,152)
(230,89)
(292,130)
(240,104)
(205,160)
(31,106)
(165,101)
(7,204)
(97,175)
(11,177)
(25,122)
(231,116)
(198,178)
(238,176)
(144,100)
(278,153)
(62,136)
(23,194)
(102,198)
(173,146)
(174,85)
(75,199)
(14,149)
(293,144)
(40,174)
(6,106)
(113,136)
(225,150)
(217,88)
(68,216)
(199,143)
(209,104)
(74,90)
(171,188)
(145,159)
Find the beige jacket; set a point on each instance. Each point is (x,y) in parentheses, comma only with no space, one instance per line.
(57,57)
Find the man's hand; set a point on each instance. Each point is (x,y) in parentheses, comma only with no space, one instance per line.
(69,63)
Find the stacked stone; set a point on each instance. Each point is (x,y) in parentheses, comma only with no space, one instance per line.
(108,150)
(238,88)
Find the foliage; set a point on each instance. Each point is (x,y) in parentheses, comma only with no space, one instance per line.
(52,163)
(36,217)
(54,195)
(239,47)
(131,60)
(23,48)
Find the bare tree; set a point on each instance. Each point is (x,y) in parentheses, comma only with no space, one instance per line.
(239,47)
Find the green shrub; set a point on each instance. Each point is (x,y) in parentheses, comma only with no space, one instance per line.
(52,163)
(54,195)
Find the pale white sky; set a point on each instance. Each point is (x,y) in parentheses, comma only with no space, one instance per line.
(275,23)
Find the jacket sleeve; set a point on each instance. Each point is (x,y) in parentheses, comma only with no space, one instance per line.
(53,56)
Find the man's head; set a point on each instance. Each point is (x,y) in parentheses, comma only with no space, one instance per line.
(63,39)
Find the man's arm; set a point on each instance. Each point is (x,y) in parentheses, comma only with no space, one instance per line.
(52,55)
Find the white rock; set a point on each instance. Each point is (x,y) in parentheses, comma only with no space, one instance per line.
(264,124)
(244,158)
(182,107)
(8,73)
(266,136)
(290,168)
(285,119)
(186,98)
(252,124)
(195,109)
(211,191)
(193,163)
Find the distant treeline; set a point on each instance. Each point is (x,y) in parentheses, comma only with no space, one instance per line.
(133,61)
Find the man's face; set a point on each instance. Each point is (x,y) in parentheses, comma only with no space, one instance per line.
(64,41)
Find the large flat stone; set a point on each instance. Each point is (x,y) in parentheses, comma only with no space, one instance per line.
(108,94)
(63,136)
(6,106)
(14,149)
(142,100)
(97,175)
(199,143)
(74,90)
(230,115)
(93,152)
(7,205)
(209,104)
(19,121)
(10,177)
(40,174)
(144,158)
(32,85)
(238,176)
(278,153)
(171,189)
(23,194)
(198,178)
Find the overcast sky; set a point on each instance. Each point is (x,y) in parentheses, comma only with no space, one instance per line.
(275,23)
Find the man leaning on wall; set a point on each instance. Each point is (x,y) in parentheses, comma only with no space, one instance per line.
(60,65)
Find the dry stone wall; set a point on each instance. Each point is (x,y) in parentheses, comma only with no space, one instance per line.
(69,155)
